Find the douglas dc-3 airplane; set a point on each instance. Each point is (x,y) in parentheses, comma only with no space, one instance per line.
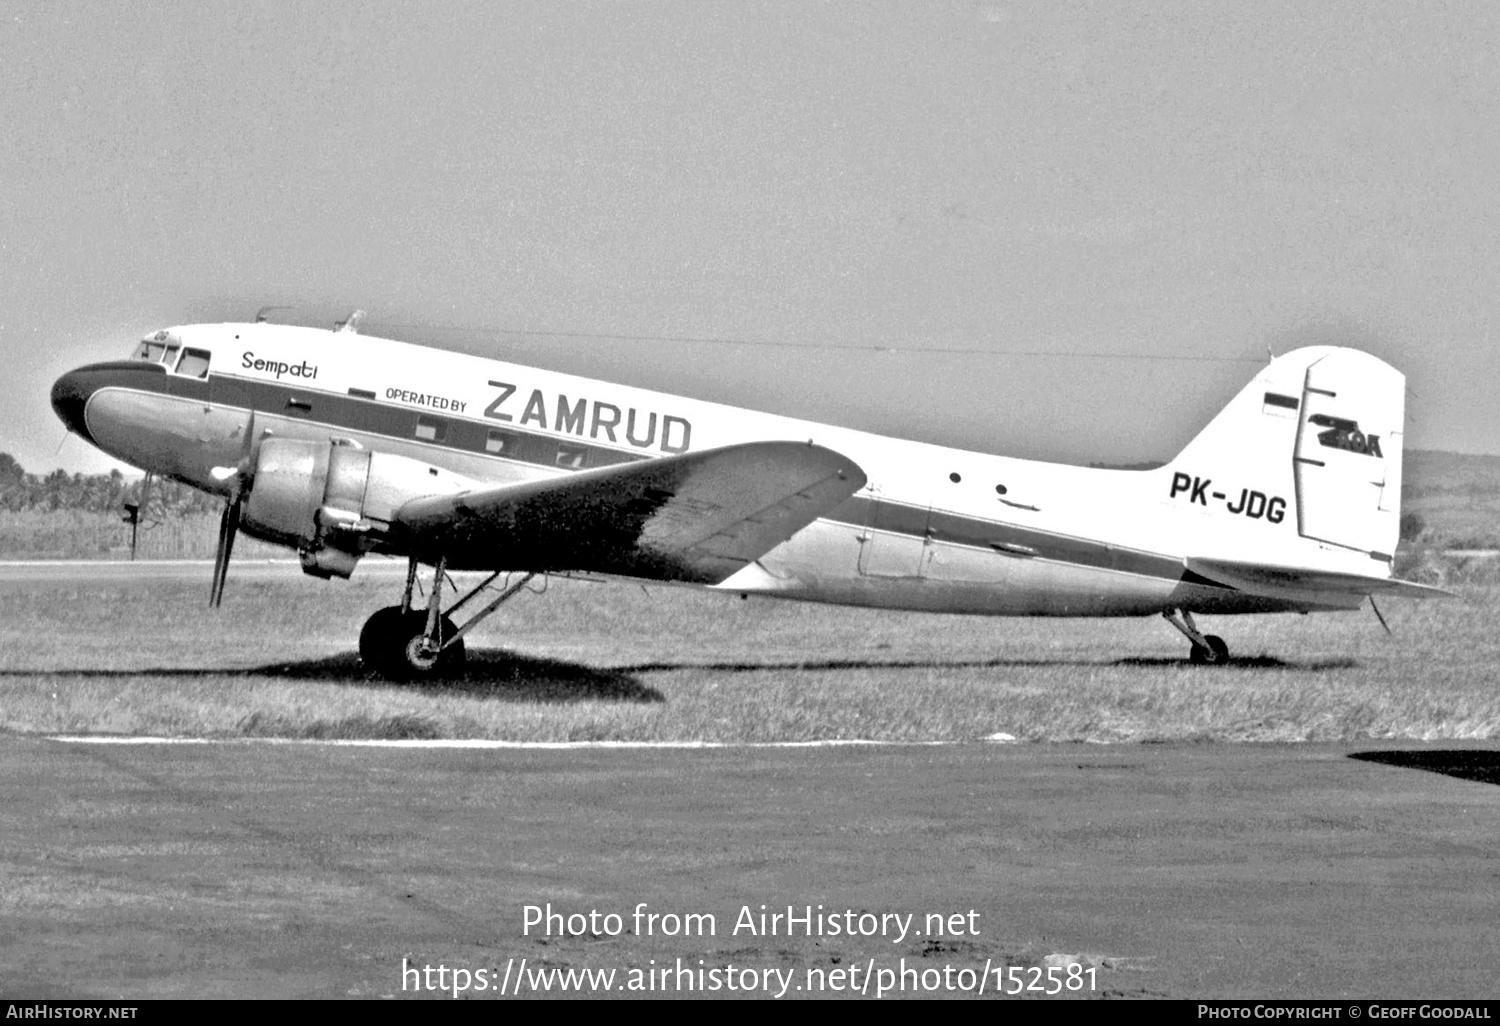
(338,445)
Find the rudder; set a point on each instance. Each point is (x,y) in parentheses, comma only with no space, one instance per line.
(1347,461)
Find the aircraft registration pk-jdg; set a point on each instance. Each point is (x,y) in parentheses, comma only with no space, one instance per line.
(339,445)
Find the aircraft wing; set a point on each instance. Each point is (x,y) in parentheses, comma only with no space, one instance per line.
(696,517)
(1276,581)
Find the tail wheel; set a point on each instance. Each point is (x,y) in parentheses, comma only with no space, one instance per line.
(1215,654)
(393,645)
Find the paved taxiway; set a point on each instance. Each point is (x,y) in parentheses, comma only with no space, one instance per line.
(274,870)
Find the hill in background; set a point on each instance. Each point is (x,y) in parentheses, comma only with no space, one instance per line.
(1456,496)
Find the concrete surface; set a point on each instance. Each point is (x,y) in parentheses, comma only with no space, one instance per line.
(290,870)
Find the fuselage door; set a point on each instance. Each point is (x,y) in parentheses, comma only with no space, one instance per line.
(895,538)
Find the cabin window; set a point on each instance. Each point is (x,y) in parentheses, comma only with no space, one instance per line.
(499,441)
(431,429)
(571,456)
(194,363)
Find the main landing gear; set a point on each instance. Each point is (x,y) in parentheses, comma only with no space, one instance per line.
(404,643)
(1208,649)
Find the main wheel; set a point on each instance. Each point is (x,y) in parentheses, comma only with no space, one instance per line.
(1216,654)
(375,637)
(392,645)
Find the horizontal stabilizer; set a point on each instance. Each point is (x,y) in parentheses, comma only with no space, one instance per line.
(696,517)
(1276,581)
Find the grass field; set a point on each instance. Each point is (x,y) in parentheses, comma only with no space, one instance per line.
(597,661)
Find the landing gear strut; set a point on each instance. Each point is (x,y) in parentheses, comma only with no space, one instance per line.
(1208,649)
(403,643)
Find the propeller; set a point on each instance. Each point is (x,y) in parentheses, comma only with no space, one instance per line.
(229,523)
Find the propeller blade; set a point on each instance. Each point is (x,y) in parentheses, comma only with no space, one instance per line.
(247,449)
(229,525)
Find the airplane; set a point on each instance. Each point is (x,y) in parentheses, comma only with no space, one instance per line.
(341,445)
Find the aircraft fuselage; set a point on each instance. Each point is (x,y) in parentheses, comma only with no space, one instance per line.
(934,529)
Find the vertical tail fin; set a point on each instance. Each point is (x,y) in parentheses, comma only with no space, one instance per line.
(1305,463)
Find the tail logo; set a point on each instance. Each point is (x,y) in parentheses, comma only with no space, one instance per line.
(1346,435)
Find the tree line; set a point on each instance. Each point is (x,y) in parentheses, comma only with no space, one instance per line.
(97,493)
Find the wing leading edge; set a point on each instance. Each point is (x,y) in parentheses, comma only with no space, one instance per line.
(697,517)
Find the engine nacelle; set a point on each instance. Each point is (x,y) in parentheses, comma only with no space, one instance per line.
(332,501)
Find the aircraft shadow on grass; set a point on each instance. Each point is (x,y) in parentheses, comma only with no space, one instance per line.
(493,674)
(1259,662)
(1463,763)
(1252,662)
(489,674)
(511,677)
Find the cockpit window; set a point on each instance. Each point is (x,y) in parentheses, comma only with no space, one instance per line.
(194,363)
(161,347)
(165,348)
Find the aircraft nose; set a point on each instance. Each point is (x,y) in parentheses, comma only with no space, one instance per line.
(70,394)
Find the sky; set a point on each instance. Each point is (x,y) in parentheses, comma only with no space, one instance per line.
(1065,231)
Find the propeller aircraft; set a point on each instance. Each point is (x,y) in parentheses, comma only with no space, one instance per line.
(341,445)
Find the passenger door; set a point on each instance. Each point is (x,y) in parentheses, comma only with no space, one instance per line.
(894,543)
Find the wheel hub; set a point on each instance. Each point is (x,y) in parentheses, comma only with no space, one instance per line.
(421,654)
